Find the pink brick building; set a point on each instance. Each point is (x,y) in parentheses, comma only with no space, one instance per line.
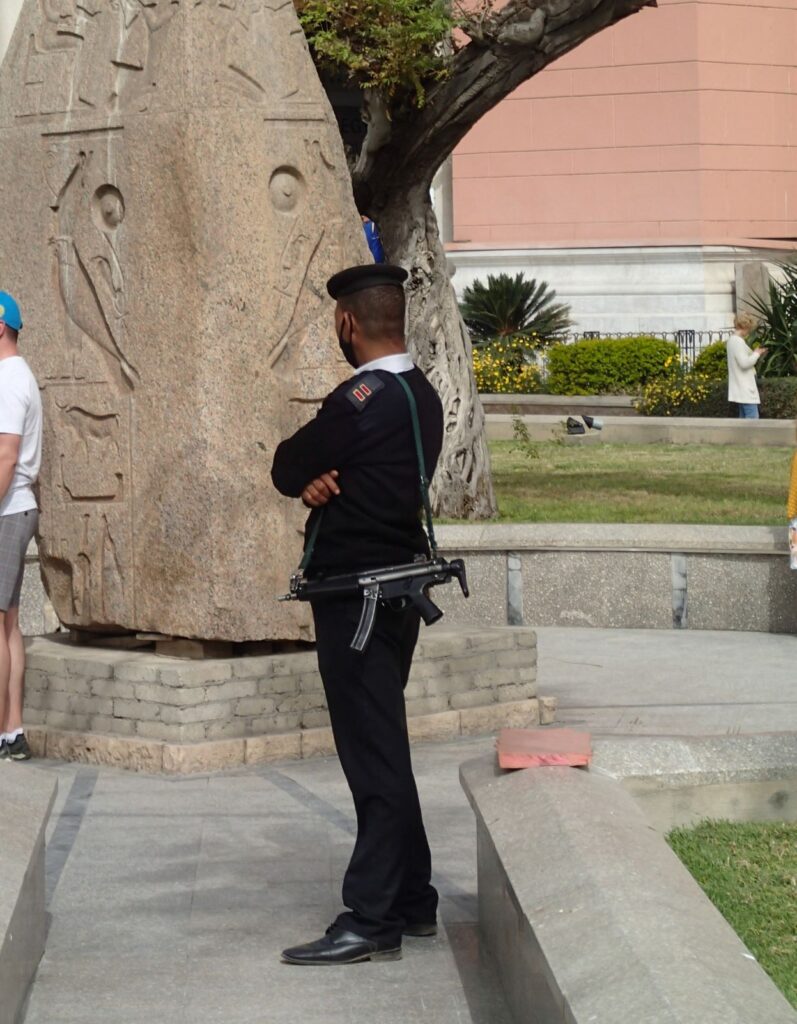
(642,172)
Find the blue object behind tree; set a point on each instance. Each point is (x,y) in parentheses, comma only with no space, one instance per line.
(374,241)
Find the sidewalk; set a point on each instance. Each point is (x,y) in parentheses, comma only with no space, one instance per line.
(171,898)
(670,682)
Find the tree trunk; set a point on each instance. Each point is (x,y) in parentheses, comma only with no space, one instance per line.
(403,149)
(439,342)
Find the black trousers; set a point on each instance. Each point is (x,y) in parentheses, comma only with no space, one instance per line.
(387,883)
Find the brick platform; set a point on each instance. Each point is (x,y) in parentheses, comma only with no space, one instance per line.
(147,712)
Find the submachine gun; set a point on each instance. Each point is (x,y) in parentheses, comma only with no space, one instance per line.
(397,585)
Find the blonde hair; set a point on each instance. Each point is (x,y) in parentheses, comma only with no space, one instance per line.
(744,322)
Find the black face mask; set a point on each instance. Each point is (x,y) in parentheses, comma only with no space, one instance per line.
(347,349)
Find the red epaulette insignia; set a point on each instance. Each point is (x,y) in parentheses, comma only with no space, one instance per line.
(363,389)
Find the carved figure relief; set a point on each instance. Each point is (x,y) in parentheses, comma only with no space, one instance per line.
(305,264)
(100,25)
(88,404)
(97,584)
(48,60)
(147,26)
(88,442)
(245,30)
(96,55)
(89,214)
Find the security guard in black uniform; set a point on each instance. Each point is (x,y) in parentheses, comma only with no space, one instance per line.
(356,465)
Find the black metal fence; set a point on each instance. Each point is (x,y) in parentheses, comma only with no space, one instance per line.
(690,343)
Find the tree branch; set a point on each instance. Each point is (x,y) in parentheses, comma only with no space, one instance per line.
(512,45)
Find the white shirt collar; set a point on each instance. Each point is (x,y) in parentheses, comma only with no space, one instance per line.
(400,363)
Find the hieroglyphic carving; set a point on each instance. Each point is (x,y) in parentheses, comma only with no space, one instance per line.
(89,213)
(244,32)
(48,59)
(87,438)
(96,582)
(88,399)
(302,274)
(95,55)
(147,26)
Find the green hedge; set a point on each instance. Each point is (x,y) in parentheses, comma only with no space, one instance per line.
(599,366)
(713,361)
(778,401)
(778,398)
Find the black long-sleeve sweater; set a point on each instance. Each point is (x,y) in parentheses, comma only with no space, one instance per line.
(364,430)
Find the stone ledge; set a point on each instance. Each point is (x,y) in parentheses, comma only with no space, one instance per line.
(665,538)
(624,429)
(681,781)
(140,754)
(26,799)
(589,914)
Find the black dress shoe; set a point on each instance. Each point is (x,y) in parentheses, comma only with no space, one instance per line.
(420,930)
(340,947)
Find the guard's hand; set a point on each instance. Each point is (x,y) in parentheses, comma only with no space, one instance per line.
(321,490)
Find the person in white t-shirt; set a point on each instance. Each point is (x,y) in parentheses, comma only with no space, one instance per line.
(20,458)
(742,360)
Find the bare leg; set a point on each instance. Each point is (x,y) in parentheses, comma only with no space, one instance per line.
(16,672)
(5,672)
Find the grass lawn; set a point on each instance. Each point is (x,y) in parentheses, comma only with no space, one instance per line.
(749,872)
(656,483)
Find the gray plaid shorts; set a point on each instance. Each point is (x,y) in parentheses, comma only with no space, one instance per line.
(16,533)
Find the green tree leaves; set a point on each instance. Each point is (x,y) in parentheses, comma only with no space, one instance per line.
(778,323)
(392,46)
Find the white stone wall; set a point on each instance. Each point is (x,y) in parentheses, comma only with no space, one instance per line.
(638,289)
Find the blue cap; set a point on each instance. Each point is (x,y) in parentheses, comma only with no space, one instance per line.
(9,312)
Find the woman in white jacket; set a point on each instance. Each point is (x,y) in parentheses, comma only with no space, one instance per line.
(742,387)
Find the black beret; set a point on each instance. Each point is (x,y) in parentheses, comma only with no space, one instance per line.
(356,279)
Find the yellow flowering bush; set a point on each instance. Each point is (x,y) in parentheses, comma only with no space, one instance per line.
(679,391)
(502,368)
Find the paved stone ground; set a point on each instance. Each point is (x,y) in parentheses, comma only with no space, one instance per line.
(170,898)
(670,682)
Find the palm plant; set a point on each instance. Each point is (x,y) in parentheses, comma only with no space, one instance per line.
(512,307)
(777,327)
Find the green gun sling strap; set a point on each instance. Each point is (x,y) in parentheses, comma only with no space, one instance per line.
(416,430)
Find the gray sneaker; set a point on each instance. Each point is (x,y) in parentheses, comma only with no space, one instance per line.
(18,749)
(4,754)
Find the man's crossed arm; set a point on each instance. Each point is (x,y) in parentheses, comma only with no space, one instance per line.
(321,490)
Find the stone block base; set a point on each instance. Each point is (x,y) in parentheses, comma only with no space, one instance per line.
(151,713)
(216,755)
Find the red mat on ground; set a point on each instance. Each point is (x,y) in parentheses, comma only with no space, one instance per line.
(532,748)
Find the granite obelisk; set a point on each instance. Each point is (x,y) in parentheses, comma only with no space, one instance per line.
(175,195)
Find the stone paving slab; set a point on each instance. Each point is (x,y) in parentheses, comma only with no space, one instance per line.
(171,897)
(676,683)
(177,896)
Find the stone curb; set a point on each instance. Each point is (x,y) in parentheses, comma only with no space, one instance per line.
(26,799)
(588,913)
(649,430)
(144,755)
